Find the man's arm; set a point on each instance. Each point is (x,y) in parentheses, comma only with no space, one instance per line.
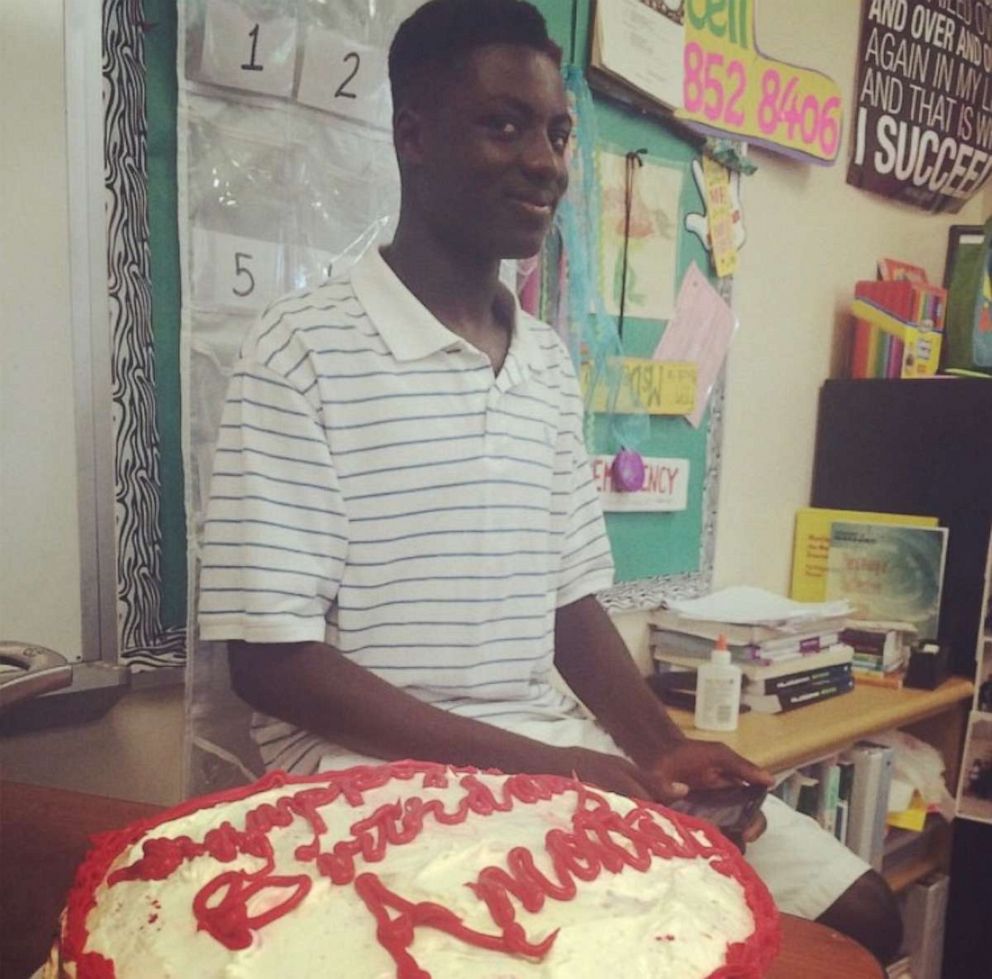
(592,658)
(315,687)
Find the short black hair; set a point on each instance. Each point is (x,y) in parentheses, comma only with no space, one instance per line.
(441,32)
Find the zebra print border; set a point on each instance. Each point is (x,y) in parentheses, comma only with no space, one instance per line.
(143,643)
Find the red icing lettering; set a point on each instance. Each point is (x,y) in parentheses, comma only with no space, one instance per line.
(599,840)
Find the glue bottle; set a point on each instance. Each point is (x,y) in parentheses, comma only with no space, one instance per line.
(718,691)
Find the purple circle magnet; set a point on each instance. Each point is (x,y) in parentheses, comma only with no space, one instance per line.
(627,471)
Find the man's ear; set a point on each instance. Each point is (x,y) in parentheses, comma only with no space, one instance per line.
(408,135)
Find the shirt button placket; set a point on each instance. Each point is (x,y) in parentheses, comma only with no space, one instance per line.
(492,405)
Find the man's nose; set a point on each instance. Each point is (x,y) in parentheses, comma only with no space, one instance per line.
(542,161)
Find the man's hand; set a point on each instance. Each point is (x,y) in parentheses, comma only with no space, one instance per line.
(710,765)
(754,829)
(611,773)
(691,764)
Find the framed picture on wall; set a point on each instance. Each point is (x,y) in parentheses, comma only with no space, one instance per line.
(962,239)
(968,280)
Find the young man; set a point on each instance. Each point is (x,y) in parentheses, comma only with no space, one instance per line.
(403,540)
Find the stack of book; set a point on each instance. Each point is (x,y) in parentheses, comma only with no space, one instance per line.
(880,651)
(782,669)
(898,327)
(778,687)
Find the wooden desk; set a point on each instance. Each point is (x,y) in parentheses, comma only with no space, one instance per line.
(780,741)
(46,834)
(814,951)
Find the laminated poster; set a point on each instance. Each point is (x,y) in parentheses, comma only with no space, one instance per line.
(923,121)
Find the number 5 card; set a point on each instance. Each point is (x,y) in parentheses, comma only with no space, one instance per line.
(235,273)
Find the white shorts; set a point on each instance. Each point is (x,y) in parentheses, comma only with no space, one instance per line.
(805,867)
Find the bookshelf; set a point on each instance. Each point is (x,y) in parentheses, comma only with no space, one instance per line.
(782,741)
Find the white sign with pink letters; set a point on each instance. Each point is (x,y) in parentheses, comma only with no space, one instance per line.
(664,487)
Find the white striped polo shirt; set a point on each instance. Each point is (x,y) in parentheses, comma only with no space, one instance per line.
(377,487)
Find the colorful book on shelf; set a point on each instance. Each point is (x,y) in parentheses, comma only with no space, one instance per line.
(864,347)
(897,323)
(786,700)
(895,269)
(873,663)
(889,572)
(881,646)
(921,344)
(894,680)
(811,545)
(828,773)
(918,304)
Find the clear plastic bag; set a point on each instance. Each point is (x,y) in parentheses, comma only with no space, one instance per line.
(281,183)
(918,764)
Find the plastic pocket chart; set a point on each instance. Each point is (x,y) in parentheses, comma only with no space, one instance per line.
(286,172)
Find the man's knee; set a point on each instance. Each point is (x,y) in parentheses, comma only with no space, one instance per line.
(868,913)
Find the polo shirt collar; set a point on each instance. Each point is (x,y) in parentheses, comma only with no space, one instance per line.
(410,330)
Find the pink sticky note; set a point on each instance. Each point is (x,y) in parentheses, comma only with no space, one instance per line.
(700,331)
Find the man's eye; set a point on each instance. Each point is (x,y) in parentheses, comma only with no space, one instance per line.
(503,127)
(559,140)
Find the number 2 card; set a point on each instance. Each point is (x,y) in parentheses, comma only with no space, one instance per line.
(344,77)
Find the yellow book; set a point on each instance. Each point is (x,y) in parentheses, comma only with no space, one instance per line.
(812,545)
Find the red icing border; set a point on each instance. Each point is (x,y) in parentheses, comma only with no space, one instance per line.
(600,840)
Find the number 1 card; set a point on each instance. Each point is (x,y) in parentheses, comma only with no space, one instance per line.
(241,51)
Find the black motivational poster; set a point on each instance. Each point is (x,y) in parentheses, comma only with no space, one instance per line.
(923,123)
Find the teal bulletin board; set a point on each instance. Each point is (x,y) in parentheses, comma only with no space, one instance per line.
(648,544)
(645,545)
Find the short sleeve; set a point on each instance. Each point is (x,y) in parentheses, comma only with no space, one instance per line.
(275,534)
(586,563)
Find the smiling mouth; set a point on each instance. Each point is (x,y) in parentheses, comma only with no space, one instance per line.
(539,208)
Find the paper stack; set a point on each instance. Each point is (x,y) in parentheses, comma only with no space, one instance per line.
(789,652)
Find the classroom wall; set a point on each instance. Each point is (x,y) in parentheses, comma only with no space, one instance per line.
(809,237)
(39,580)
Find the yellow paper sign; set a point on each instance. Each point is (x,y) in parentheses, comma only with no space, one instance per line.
(720,217)
(657,387)
(729,88)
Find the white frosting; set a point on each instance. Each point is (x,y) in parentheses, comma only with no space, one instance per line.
(675,920)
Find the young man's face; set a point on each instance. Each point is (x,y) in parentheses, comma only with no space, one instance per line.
(489,168)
